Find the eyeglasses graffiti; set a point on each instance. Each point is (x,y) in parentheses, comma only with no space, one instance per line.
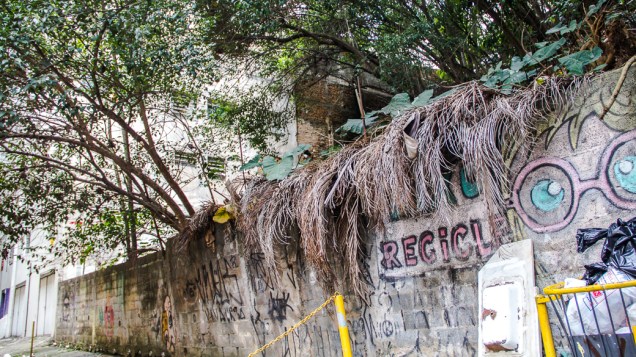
(547,192)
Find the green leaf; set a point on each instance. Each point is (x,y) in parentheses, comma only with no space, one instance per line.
(562,29)
(593,9)
(269,161)
(506,88)
(599,67)
(423,98)
(518,63)
(610,17)
(254,162)
(570,27)
(277,170)
(354,126)
(399,103)
(544,53)
(373,113)
(575,63)
(495,77)
(516,77)
(555,29)
(442,75)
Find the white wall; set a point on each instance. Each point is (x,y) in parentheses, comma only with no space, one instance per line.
(6,274)
(33,293)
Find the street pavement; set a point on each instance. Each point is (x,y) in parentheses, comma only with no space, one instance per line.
(42,347)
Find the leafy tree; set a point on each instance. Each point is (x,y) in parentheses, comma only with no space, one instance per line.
(102,102)
(409,45)
(101,120)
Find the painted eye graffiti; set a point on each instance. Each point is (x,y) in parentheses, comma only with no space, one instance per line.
(547,191)
(619,181)
(547,195)
(625,173)
(469,189)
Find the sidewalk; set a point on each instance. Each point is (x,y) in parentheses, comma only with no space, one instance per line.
(42,347)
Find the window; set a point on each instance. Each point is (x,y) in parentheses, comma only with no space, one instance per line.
(185,158)
(214,168)
(4,302)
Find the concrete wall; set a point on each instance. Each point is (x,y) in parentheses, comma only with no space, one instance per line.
(211,300)
(203,301)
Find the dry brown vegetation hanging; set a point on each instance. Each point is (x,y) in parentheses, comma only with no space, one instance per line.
(333,203)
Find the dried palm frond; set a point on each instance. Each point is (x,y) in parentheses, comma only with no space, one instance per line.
(279,216)
(332,202)
(267,213)
(255,197)
(316,219)
(383,177)
(469,126)
(345,203)
(198,225)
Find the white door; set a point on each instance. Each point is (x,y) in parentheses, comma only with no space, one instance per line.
(46,306)
(19,312)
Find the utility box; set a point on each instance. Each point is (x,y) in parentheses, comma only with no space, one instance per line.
(501,325)
(508,321)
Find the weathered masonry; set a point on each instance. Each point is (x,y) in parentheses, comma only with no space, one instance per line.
(214,301)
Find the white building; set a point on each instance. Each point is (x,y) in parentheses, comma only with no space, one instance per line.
(28,297)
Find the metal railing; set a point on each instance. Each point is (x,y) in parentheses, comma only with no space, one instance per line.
(591,324)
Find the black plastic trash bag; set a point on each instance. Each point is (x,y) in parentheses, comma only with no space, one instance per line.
(593,272)
(587,237)
(619,249)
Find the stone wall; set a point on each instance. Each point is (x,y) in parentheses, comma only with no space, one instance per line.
(211,300)
(320,109)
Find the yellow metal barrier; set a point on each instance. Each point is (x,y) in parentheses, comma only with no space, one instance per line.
(544,325)
(342,326)
(558,289)
(555,292)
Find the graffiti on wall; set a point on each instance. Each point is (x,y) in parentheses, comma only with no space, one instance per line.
(67,300)
(405,307)
(218,289)
(278,305)
(189,291)
(434,248)
(621,117)
(547,191)
(261,277)
(168,334)
(107,317)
